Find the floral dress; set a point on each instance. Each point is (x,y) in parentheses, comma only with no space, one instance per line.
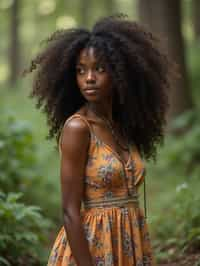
(113,222)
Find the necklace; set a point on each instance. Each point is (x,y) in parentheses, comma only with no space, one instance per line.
(110,125)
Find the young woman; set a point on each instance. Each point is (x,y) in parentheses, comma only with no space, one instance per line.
(104,93)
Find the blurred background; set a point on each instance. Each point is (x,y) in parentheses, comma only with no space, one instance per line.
(30,213)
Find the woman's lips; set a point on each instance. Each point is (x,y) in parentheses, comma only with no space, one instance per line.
(91,91)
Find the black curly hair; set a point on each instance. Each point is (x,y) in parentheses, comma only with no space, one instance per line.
(139,70)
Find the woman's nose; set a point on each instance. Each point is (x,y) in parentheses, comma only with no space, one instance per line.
(90,78)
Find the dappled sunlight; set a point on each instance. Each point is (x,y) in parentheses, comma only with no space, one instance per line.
(4,73)
(46,7)
(65,22)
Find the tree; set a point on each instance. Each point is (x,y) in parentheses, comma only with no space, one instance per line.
(163,17)
(14,42)
(196,20)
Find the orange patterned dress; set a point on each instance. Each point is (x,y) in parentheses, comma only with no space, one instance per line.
(113,222)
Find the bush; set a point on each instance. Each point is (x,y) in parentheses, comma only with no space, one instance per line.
(23,228)
(177,227)
(21,231)
(19,168)
(24,165)
(181,154)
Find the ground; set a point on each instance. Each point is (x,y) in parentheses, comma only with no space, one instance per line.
(189,260)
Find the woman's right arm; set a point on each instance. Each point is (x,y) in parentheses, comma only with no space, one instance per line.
(74,151)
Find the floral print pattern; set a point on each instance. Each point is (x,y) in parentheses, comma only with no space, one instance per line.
(117,236)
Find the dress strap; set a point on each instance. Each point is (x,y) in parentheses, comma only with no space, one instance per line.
(83,118)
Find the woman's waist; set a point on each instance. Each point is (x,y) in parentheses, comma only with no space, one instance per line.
(115,201)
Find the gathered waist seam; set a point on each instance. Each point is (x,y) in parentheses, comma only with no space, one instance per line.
(116,201)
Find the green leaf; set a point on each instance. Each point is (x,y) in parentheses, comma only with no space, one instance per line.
(5,262)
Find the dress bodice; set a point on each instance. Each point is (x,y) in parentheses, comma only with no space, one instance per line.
(113,223)
(106,175)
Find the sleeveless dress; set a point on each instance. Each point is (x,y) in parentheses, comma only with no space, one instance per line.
(114,224)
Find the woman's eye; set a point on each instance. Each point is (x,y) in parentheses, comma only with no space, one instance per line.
(80,70)
(100,69)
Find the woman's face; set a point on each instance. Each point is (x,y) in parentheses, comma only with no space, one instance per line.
(92,77)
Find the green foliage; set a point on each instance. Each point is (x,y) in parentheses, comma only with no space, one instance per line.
(24,164)
(181,153)
(184,154)
(21,231)
(23,227)
(18,164)
(177,225)
(194,68)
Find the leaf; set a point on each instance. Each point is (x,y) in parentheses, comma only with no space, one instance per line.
(5,262)
(13,197)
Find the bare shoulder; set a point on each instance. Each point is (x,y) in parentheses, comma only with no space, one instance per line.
(76,124)
(75,133)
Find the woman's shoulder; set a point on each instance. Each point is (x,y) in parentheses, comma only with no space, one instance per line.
(75,133)
(75,124)
(82,114)
(79,122)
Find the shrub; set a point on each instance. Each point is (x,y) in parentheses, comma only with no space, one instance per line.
(23,227)
(177,226)
(18,161)
(22,230)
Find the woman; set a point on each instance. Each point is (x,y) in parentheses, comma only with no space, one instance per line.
(104,93)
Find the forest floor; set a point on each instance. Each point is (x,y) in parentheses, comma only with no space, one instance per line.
(189,260)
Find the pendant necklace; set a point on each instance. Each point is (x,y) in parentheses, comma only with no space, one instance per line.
(126,148)
(111,127)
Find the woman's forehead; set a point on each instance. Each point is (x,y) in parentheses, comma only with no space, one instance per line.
(90,53)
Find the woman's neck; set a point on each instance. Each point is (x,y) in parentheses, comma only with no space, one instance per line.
(101,109)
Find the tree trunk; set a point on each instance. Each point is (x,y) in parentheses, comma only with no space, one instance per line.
(163,17)
(14,43)
(145,13)
(196,19)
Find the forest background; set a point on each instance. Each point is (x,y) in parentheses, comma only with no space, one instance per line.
(30,213)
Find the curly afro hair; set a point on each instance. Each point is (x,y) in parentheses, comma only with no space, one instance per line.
(139,70)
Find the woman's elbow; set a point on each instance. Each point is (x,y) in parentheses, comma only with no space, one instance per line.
(71,215)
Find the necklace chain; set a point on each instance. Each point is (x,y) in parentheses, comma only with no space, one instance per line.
(111,127)
(109,124)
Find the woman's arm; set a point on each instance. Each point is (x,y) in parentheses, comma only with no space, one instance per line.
(74,151)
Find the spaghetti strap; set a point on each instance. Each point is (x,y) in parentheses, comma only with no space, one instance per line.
(106,184)
(70,118)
